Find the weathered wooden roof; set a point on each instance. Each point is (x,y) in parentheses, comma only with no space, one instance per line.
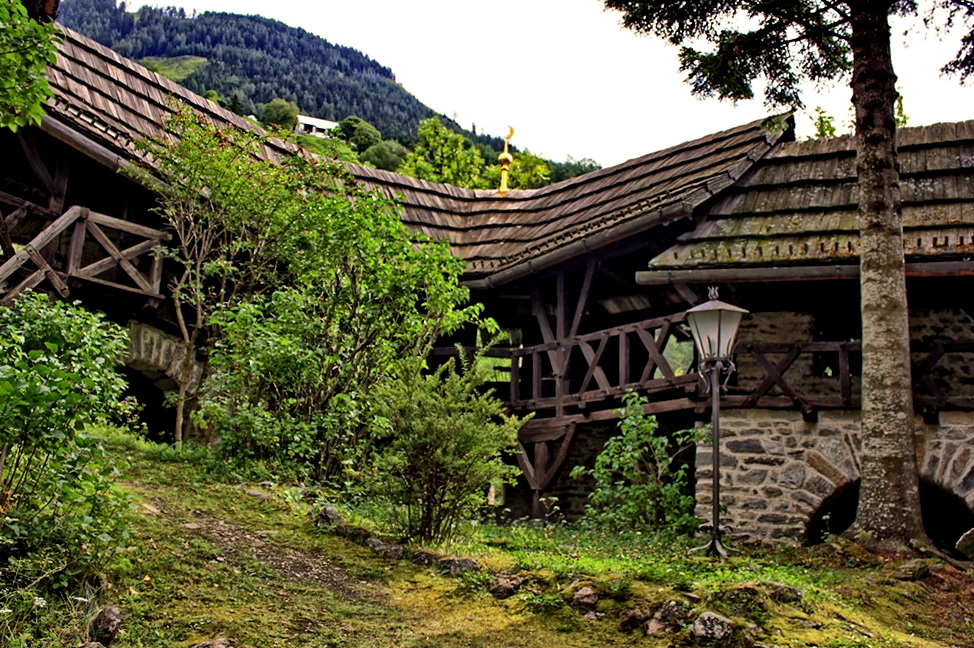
(525,231)
(104,102)
(798,206)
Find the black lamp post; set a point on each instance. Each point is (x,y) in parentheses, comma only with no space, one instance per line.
(714,328)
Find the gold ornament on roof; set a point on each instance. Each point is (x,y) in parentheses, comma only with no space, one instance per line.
(505,159)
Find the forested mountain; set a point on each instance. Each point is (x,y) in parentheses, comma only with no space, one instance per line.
(257,59)
(249,61)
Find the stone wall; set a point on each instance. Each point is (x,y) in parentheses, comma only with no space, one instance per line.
(954,372)
(777,469)
(160,357)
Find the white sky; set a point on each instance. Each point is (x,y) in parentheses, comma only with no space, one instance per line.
(566,75)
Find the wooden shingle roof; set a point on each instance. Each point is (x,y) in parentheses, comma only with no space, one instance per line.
(104,102)
(502,238)
(798,206)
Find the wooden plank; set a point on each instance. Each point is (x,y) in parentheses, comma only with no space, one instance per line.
(7,249)
(125,264)
(537,305)
(98,267)
(128,226)
(623,359)
(76,248)
(48,271)
(526,467)
(563,448)
(776,374)
(47,235)
(155,273)
(583,295)
(770,378)
(59,188)
(594,369)
(794,273)
(31,281)
(122,287)
(13,219)
(29,146)
(845,375)
(10,199)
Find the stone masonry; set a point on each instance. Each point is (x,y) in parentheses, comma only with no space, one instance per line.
(777,469)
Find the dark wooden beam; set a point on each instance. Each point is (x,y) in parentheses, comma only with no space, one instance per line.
(795,273)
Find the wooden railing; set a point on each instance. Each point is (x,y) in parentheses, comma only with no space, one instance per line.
(596,367)
(98,244)
(805,376)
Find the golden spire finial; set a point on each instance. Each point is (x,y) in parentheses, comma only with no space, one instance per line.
(505,159)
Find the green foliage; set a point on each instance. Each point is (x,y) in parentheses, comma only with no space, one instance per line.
(444,446)
(639,483)
(572,168)
(824,124)
(387,154)
(175,68)
(527,171)
(359,133)
(62,518)
(26,48)
(328,147)
(444,156)
(309,287)
(280,113)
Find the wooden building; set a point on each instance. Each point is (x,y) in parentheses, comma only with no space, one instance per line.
(591,278)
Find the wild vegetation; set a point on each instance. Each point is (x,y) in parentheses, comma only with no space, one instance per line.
(26,47)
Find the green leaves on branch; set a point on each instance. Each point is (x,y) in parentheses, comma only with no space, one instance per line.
(444,441)
(26,49)
(640,482)
(308,286)
(57,375)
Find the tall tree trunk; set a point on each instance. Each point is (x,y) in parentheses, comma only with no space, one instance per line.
(889,503)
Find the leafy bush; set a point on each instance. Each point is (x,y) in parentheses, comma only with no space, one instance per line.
(444,446)
(638,482)
(62,518)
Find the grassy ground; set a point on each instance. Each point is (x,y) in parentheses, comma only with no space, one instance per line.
(175,68)
(243,562)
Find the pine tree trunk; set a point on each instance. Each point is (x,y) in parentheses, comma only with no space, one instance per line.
(889,503)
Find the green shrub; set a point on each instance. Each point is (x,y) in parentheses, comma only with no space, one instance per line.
(638,482)
(61,516)
(445,438)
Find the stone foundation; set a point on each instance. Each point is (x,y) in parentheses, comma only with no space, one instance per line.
(777,469)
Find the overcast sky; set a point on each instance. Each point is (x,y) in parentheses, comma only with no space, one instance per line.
(566,75)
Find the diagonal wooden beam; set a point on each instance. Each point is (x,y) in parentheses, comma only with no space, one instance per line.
(583,296)
(46,235)
(774,376)
(114,252)
(98,267)
(526,467)
(29,146)
(594,370)
(48,271)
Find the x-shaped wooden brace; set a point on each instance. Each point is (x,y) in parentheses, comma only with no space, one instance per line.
(774,376)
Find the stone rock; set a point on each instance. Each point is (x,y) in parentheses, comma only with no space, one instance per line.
(585,598)
(780,593)
(106,624)
(259,494)
(712,629)
(592,616)
(352,533)
(218,642)
(504,586)
(666,618)
(425,558)
(743,600)
(629,620)
(93,644)
(329,516)
(457,566)
(965,544)
(386,549)
(913,570)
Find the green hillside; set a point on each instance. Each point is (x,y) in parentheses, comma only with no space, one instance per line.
(256,59)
